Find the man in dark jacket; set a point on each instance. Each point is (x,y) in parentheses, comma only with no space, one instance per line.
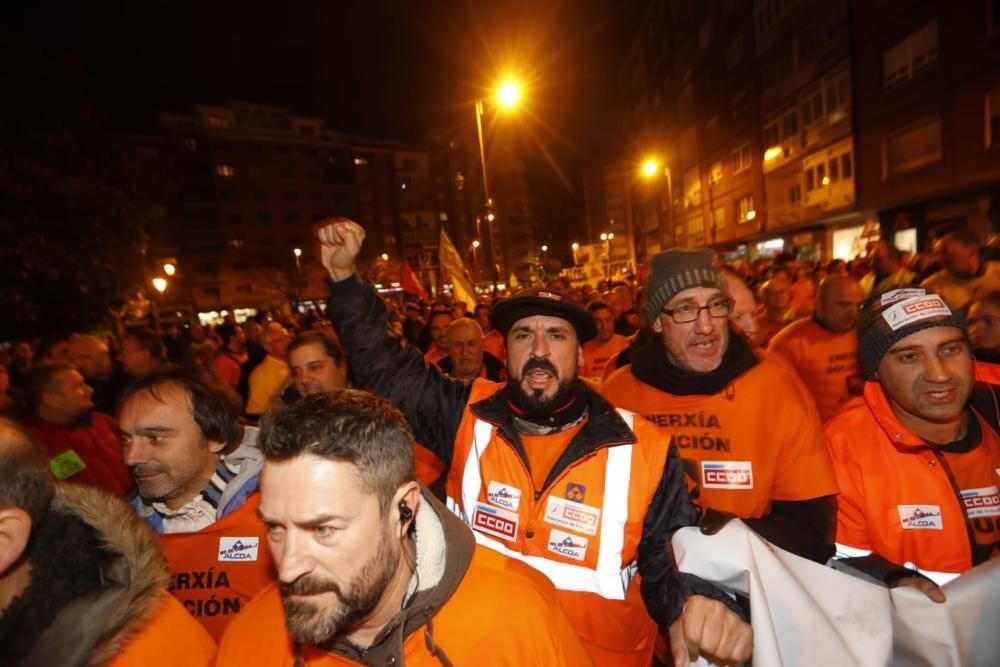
(538,464)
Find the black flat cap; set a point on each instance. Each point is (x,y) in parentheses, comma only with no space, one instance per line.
(541,301)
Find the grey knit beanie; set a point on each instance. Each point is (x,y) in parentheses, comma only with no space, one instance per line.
(676,270)
(888,317)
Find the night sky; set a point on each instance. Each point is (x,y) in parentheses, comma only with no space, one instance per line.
(388,69)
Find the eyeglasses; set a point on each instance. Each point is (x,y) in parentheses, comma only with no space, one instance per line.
(684,314)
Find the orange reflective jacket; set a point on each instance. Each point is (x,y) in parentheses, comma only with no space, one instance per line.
(217,570)
(582,531)
(905,502)
(756,441)
(501,613)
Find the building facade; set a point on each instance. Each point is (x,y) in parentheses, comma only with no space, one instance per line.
(812,127)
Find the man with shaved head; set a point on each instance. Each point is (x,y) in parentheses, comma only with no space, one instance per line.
(467,359)
(744,310)
(92,358)
(823,349)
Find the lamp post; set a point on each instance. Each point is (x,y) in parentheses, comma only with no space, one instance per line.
(507,96)
(475,256)
(651,168)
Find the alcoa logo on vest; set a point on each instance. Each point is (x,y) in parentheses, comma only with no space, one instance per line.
(727,475)
(567,545)
(916,517)
(503,495)
(238,548)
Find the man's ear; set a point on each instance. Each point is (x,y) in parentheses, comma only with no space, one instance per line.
(579,357)
(15,529)
(216,446)
(657,326)
(404,506)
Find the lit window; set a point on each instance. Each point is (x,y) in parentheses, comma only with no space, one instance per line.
(741,158)
(744,209)
(360,161)
(224,170)
(909,57)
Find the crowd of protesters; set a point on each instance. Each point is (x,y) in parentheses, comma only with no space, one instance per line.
(251,459)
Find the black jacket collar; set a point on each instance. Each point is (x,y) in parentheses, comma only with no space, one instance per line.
(604,428)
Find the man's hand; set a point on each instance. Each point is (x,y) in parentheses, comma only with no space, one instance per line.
(340,242)
(708,628)
(926,586)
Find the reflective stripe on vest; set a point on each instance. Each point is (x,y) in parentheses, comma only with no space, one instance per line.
(939,578)
(608,580)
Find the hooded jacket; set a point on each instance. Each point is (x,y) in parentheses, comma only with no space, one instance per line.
(445,620)
(124,615)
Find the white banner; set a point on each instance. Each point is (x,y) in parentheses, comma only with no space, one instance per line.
(807,614)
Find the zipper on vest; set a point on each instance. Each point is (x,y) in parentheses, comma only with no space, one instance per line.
(969,529)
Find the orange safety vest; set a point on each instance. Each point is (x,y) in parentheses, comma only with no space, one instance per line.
(757,440)
(904,502)
(987,372)
(827,362)
(215,571)
(500,613)
(582,531)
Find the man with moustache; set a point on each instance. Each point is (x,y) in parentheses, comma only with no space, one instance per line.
(918,455)
(547,472)
(371,568)
(196,468)
(746,426)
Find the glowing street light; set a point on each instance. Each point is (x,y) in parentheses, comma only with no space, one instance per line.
(475,244)
(297,252)
(575,246)
(751,214)
(490,217)
(545,248)
(650,167)
(385,257)
(508,94)
(169,268)
(160,284)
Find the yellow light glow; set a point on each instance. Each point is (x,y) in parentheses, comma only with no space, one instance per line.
(751,214)
(611,236)
(385,257)
(169,269)
(576,246)
(604,237)
(297,252)
(160,284)
(650,167)
(545,248)
(508,94)
(475,244)
(773,153)
(490,217)
(826,180)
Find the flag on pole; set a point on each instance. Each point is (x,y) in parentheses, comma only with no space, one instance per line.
(453,271)
(411,285)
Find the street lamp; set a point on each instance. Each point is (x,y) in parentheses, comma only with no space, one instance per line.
(298,253)
(650,169)
(507,95)
(385,257)
(545,248)
(475,256)
(160,284)
(169,268)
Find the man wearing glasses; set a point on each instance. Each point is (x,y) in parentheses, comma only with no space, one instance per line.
(744,423)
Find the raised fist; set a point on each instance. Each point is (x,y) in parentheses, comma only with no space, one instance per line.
(340,242)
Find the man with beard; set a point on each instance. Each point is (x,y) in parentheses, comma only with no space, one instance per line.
(371,568)
(547,472)
(80,444)
(745,424)
(918,456)
(196,468)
